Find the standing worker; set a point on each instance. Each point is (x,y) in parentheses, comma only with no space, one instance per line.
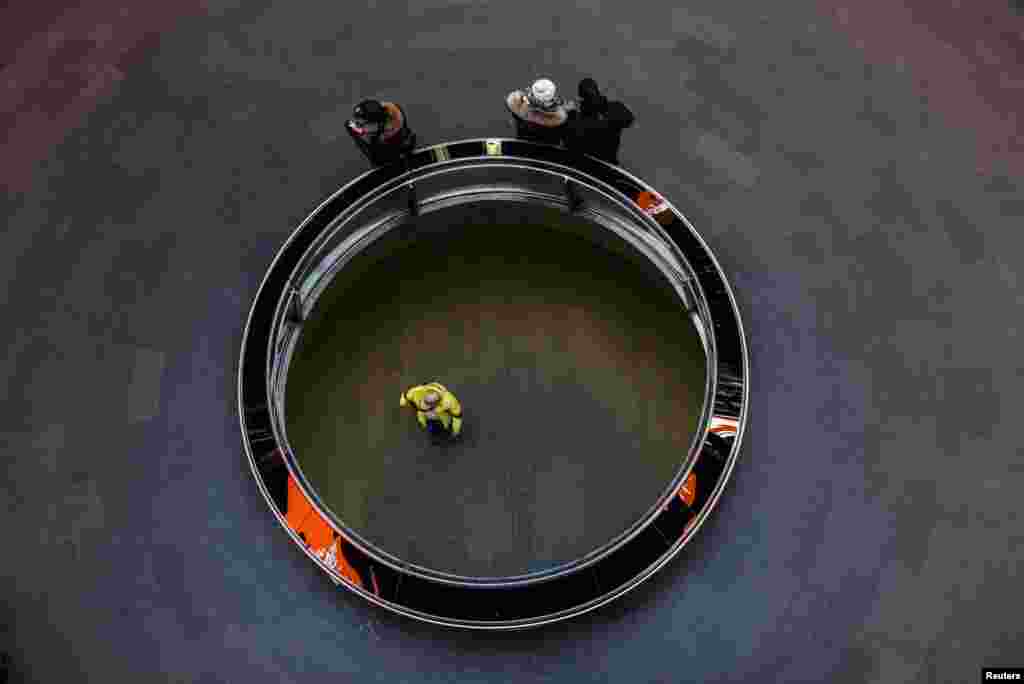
(381,131)
(596,125)
(538,112)
(437,409)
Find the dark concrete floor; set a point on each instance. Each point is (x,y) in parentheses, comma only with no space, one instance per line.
(857,170)
(582,386)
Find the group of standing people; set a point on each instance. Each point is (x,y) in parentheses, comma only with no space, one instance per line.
(591,124)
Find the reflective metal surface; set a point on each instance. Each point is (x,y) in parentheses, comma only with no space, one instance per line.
(459,172)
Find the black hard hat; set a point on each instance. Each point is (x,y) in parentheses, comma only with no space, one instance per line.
(370,110)
(588,89)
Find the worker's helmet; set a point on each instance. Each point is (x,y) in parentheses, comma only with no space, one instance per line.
(369,112)
(543,95)
(431,399)
(588,89)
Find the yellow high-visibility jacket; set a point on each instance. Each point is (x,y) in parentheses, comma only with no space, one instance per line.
(448,410)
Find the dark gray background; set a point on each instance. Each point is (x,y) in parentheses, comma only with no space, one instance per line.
(856,169)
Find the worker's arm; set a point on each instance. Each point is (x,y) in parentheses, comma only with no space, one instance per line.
(517,103)
(395,118)
(454,407)
(421,417)
(456,425)
(410,396)
(621,115)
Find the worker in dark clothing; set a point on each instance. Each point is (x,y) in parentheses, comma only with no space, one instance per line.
(381,131)
(595,125)
(538,112)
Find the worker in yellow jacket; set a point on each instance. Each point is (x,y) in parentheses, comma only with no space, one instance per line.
(437,409)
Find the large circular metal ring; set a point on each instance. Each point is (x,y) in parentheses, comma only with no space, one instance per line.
(469,171)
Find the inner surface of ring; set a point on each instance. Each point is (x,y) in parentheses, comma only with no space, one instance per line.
(581,378)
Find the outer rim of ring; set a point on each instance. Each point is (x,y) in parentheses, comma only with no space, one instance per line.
(498,607)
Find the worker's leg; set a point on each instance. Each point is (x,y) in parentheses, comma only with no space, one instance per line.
(436,428)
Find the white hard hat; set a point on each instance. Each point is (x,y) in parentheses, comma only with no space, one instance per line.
(543,93)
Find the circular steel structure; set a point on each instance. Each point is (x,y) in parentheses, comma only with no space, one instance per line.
(473,171)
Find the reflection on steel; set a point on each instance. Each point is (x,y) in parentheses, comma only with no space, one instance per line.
(373,204)
(721,428)
(654,206)
(572,196)
(333,551)
(440,153)
(414,203)
(295,312)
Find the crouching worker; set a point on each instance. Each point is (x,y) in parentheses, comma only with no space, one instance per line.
(381,131)
(437,409)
